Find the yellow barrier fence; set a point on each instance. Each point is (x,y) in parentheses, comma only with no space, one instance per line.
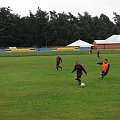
(67,48)
(20,49)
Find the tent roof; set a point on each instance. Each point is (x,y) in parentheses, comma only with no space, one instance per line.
(114,39)
(79,43)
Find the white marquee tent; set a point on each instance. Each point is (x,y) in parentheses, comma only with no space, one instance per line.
(81,44)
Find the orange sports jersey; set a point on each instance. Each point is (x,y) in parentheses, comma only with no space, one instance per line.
(104,67)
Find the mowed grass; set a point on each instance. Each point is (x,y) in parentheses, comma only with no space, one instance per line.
(32,89)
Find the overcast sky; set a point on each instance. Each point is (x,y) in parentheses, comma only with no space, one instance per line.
(93,7)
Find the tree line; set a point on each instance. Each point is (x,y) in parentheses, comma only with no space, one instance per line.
(53,29)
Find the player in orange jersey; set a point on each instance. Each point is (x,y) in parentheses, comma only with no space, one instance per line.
(105,67)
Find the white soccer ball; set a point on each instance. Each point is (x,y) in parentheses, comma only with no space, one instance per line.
(82,84)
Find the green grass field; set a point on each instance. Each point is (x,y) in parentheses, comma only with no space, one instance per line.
(32,89)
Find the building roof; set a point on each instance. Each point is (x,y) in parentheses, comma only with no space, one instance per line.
(79,43)
(99,41)
(114,39)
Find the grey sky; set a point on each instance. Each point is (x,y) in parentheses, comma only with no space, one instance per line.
(93,7)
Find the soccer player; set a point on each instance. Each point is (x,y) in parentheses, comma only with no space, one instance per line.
(105,67)
(79,69)
(58,62)
(90,52)
(98,54)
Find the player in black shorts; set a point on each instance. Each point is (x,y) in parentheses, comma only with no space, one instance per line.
(98,54)
(79,68)
(58,62)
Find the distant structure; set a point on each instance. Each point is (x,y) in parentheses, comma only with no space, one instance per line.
(81,45)
(112,42)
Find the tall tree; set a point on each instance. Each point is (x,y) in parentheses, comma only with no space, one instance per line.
(53,29)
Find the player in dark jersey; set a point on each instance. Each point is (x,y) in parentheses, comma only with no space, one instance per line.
(58,62)
(79,69)
(98,54)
